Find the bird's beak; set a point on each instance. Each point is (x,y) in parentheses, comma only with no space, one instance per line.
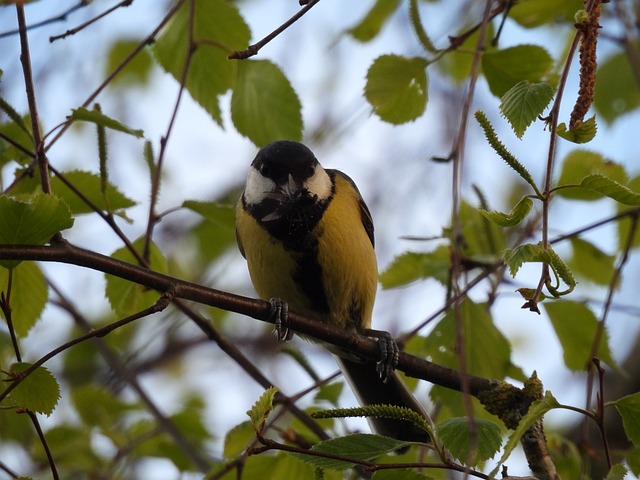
(291,188)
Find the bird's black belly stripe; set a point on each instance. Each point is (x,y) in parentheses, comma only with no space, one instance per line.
(308,277)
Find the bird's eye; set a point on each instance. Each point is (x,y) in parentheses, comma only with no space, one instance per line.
(311,171)
(265,170)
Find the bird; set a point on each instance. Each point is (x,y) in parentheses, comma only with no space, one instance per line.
(308,238)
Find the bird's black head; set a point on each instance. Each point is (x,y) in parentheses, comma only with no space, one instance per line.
(278,160)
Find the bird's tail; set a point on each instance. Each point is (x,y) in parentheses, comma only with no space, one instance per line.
(370,390)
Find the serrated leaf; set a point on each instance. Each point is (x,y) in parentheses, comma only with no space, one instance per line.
(629,409)
(456,436)
(524,102)
(412,266)
(536,411)
(576,327)
(616,91)
(579,164)
(583,133)
(617,472)
(396,88)
(31,220)
(612,189)
(590,262)
(29,295)
(505,68)
(218,30)
(89,186)
(260,410)
(369,27)
(264,105)
(518,213)
(126,297)
(527,253)
(97,117)
(358,446)
(38,392)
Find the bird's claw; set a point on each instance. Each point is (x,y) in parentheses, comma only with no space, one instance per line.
(280,315)
(389,353)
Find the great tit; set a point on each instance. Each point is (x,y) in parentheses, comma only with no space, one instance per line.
(307,236)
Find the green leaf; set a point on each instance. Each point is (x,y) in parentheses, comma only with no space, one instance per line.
(514,217)
(359,446)
(583,133)
(126,297)
(260,410)
(526,253)
(590,262)
(536,411)
(399,474)
(264,105)
(624,224)
(488,352)
(218,30)
(31,220)
(576,327)
(629,409)
(238,439)
(38,392)
(633,460)
(579,164)
(565,455)
(612,189)
(97,406)
(616,90)
(524,102)
(95,116)
(222,220)
(369,27)
(396,88)
(330,393)
(456,436)
(535,13)
(137,71)
(29,295)
(89,185)
(505,68)
(20,134)
(617,472)
(412,266)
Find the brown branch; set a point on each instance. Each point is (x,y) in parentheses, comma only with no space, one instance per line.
(58,18)
(25,59)
(255,48)
(73,31)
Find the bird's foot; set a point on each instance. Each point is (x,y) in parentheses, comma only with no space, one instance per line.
(280,315)
(389,353)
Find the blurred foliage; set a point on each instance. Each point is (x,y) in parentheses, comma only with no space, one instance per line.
(106,428)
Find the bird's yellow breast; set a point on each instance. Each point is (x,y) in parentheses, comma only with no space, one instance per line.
(344,252)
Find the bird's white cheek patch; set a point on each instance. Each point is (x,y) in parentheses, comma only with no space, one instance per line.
(319,183)
(257,187)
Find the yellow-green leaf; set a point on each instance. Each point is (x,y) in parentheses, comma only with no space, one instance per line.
(527,253)
(396,88)
(456,436)
(576,327)
(616,90)
(580,164)
(412,266)
(29,295)
(264,105)
(97,117)
(629,408)
(260,410)
(524,102)
(38,392)
(612,189)
(518,213)
(505,68)
(369,27)
(583,133)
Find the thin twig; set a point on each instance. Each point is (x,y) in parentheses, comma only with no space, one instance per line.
(25,58)
(255,48)
(73,31)
(58,18)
